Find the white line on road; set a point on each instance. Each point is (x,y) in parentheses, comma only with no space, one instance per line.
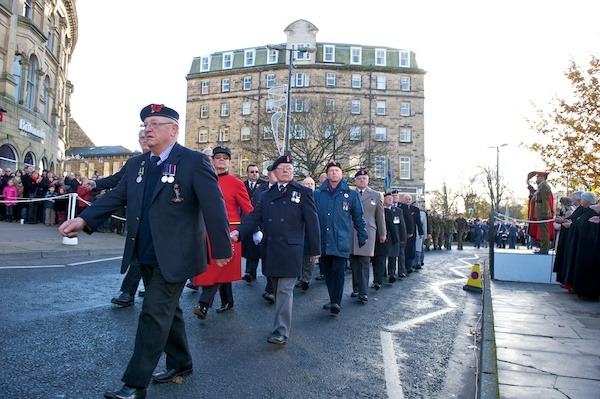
(94,261)
(32,267)
(60,266)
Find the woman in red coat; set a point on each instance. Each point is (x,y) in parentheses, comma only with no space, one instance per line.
(237,202)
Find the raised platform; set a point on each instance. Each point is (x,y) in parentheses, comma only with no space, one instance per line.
(523,266)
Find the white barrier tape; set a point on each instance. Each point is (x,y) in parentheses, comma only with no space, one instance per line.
(501,216)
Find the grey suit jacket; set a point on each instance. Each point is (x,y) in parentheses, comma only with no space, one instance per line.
(372,204)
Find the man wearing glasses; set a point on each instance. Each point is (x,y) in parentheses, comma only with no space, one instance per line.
(171,194)
(250,250)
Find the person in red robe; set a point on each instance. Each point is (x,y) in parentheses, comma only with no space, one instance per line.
(217,278)
(541,207)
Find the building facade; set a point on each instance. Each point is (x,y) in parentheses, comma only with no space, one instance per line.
(37,39)
(362,105)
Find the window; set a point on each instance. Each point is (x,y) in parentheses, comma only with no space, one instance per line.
(270,80)
(298,105)
(225,109)
(405,59)
(17,75)
(204,111)
(356,81)
(223,134)
(299,133)
(267,134)
(8,158)
(227,60)
(381,83)
(50,41)
(380,57)
(355,133)
(225,84)
(381,134)
(269,105)
(245,133)
(272,56)
(355,55)
(405,83)
(405,109)
(246,106)
(355,107)
(301,55)
(29,160)
(329,131)
(380,162)
(247,82)
(46,97)
(249,57)
(301,80)
(31,94)
(328,53)
(205,88)
(330,104)
(404,168)
(204,63)
(380,108)
(28,8)
(405,135)
(203,135)
(330,79)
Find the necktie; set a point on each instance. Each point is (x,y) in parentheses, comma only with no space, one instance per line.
(252,184)
(154,159)
(360,192)
(281,187)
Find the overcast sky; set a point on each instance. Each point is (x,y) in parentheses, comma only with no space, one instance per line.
(485,61)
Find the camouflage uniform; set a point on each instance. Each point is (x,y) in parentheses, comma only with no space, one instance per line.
(449,229)
(461,228)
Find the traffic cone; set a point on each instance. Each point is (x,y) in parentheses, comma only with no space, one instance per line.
(474,281)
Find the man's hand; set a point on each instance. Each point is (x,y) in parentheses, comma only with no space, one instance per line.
(361,243)
(382,239)
(567,223)
(234,236)
(595,219)
(89,185)
(314,257)
(257,237)
(222,262)
(71,227)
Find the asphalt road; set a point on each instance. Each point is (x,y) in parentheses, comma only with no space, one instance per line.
(417,338)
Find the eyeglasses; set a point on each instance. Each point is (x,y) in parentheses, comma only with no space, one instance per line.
(220,156)
(251,171)
(288,167)
(154,125)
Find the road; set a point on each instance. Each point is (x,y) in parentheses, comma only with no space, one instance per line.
(417,338)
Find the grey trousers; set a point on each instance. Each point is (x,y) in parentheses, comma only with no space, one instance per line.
(361,266)
(284,300)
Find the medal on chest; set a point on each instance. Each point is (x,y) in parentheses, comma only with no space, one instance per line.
(168,173)
(141,172)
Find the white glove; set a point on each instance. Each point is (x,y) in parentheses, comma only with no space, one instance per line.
(257,237)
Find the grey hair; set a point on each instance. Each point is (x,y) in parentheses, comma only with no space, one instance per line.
(589,197)
(577,195)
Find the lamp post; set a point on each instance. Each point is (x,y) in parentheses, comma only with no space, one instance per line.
(497,147)
(288,111)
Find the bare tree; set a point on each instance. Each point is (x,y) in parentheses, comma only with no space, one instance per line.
(443,201)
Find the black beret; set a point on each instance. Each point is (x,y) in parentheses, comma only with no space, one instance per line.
(395,192)
(282,159)
(361,172)
(221,150)
(333,163)
(270,168)
(387,194)
(158,110)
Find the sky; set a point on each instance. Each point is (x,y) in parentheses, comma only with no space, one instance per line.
(488,63)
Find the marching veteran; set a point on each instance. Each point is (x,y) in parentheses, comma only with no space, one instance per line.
(173,199)
(286,213)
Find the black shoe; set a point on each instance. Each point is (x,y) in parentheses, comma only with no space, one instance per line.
(409,271)
(248,278)
(327,306)
(126,392)
(335,309)
(354,295)
(168,375)
(277,338)
(123,300)
(417,267)
(392,280)
(141,293)
(200,311)
(225,307)
(376,286)
(269,297)
(401,275)
(192,286)
(320,277)
(363,298)
(304,286)
(540,252)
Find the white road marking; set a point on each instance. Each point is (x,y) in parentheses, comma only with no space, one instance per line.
(32,267)
(94,261)
(61,266)
(391,356)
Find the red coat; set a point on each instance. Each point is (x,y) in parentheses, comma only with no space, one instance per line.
(84,195)
(236,201)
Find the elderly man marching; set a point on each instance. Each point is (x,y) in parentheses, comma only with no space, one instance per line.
(360,257)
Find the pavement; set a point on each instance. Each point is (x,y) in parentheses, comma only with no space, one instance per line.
(538,340)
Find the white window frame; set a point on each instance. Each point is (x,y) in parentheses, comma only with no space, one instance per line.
(298,105)
(203,135)
(205,87)
(224,109)
(205,63)
(225,85)
(204,111)
(301,55)
(300,80)
(355,133)
(355,107)
(249,57)
(227,60)
(404,109)
(272,56)
(223,134)
(379,170)
(246,107)
(247,83)
(381,82)
(245,133)
(405,135)
(330,79)
(298,132)
(328,53)
(380,57)
(356,81)
(267,133)
(404,171)
(381,134)
(405,83)
(355,55)
(380,109)
(270,80)
(404,59)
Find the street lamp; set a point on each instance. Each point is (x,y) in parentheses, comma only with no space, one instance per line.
(497,147)
(288,113)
